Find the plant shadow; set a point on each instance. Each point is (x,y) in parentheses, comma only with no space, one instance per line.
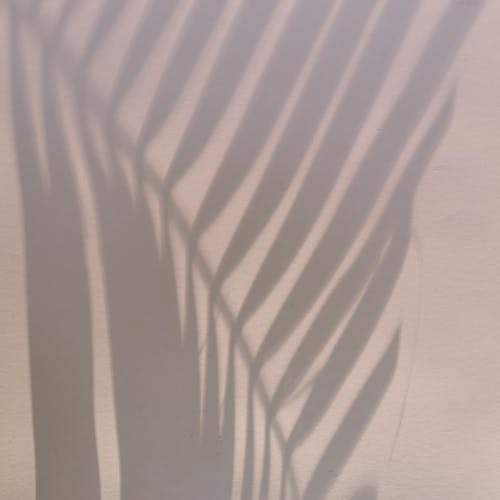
(176,417)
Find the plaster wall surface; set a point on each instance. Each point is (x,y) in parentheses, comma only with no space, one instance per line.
(249,249)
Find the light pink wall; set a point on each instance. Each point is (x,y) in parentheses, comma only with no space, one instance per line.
(249,249)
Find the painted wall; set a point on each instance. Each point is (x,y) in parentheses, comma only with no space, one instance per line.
(249,249)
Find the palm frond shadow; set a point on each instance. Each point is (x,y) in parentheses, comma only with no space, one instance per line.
(176,416)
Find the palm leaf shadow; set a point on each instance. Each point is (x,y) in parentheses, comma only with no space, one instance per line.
(58,300)
(175,438)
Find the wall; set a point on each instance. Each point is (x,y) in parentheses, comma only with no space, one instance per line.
(249,249)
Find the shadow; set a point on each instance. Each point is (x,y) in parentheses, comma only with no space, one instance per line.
(319,90)
(58,299)
(365,493)
(272,92)
(195,34)
(143,41)
(239,44)
(155,371)
(387,245)
(174,368)
(355,420)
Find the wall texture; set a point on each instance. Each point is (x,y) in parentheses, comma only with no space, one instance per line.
(249,249)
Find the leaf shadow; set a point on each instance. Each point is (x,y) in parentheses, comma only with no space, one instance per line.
(175,438)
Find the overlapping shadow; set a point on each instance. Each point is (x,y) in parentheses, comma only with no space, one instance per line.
(175,439)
